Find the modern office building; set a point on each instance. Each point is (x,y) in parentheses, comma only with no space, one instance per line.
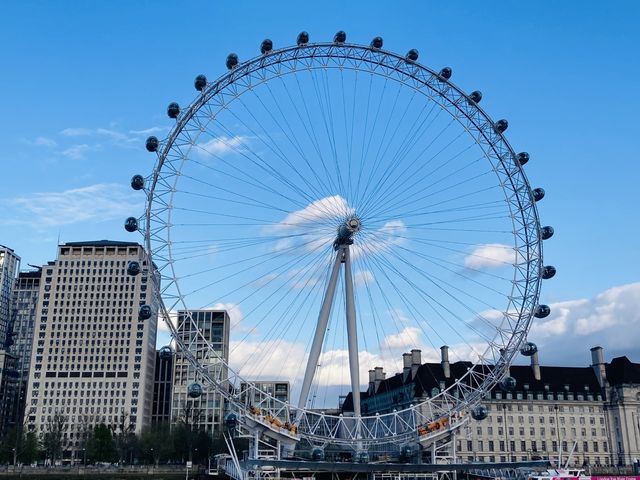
(162,388)
(94,349)
(269,394)
(8,387)
(23,318)
(9,267)
(206,334)
(593,411)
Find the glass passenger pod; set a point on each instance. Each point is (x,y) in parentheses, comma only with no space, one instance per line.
(194,390)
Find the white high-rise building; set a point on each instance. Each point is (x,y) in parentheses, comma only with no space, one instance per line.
(206,333)
(9,266)
(93,355)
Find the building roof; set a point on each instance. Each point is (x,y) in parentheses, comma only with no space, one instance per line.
(102,243)
(30,274)
(621,370)
(552,379)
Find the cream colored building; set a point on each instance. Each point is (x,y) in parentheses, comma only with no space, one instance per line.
(592,412)
(93,358)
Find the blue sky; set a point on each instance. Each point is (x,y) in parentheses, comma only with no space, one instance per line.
(83,83)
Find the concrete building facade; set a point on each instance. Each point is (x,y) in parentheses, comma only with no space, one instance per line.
(206,335)
(93,356)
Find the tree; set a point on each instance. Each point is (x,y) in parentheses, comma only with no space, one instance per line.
(156,443)
(8,445)
(101,447)
(185,430)
(124,434)
(53,440)
(30,448)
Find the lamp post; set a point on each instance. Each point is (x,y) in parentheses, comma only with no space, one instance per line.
(152,457)
(15,456)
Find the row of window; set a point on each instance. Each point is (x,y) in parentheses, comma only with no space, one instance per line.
(529,446)
(542,420)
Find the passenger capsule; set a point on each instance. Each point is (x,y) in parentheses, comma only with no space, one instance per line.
(131,224)
(340,37)
(501,125)
(194,390)
(362,457)
(166,353)
(479,412)
(407,451)
(232,61)
(508,383)
(476,96)
(446,73)
(173,110)
(200,82)
(376,43)
(266,46)
(231,421)
(528,349)
(144,312)
(538,194)
(522,158)
(542,311)
(317,454)
(412,55)
(137,182)
(546,232)
(133,268)
(151,144)
(303,38)
(548,271)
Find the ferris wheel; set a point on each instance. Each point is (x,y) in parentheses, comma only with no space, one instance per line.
(346,205)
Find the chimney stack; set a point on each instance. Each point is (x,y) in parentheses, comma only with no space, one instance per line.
(597,363)
(372,379)
(416,361)
(406,365)
(535,366)
(378,377)
(444,355)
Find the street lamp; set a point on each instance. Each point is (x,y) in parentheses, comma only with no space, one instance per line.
(15,456)
(152,457)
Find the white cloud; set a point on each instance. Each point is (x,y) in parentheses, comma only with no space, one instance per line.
(76,132)
(380,240)
(273,359)
(610,319)
(163,327)
(325,208)
(76,152)
(130,139)
(149,131)
(115,135)
(45,142)
(93,203)
(363,277)
(490,255)
(406,339)
(221,145)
